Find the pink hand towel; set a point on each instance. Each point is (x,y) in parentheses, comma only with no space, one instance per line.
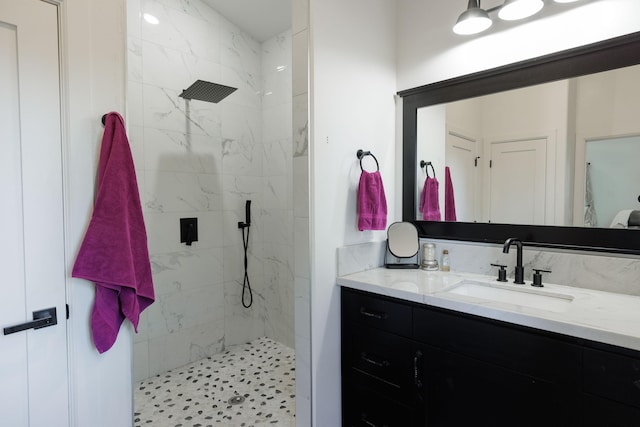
(114,251)
(429,203)
(449,200)
(372,203)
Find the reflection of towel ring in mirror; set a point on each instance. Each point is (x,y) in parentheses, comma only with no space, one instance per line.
(360,154)
(425,165)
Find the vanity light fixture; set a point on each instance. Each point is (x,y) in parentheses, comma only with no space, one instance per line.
(512,10)
(474,20)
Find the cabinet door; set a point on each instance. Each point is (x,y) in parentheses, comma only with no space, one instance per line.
(600,412)
(462,391)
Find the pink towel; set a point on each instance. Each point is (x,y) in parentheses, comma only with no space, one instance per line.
(429,204)
(114,251)
(449,200)
(372,204)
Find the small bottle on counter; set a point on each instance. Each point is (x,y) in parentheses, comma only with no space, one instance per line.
(444,262)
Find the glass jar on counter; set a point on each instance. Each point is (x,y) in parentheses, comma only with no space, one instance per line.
(445,263)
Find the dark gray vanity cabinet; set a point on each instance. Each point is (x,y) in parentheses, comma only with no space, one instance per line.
(378,360)
(407,364)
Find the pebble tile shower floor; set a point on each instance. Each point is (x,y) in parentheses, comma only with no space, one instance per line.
(198,394)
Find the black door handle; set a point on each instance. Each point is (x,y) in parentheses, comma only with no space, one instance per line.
(41,319)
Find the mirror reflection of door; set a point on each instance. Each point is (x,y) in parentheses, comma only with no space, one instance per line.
(517,181)
(461,152)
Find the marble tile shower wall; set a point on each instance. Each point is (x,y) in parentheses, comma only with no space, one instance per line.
(198,159)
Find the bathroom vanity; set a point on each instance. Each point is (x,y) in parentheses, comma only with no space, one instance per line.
(447,349)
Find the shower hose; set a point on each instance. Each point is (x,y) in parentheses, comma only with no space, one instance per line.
(246,285)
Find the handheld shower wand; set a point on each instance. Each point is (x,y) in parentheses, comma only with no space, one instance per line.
(247,213)
(247,216)
(246,286)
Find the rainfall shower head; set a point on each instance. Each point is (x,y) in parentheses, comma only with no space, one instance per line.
(207,91)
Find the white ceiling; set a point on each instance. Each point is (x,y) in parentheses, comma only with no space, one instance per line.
(262,19)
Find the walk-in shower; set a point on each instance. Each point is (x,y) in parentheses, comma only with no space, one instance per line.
(203,150)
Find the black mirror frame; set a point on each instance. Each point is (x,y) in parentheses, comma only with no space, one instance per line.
(610,54)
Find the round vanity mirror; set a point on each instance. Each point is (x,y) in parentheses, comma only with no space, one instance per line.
(402,242)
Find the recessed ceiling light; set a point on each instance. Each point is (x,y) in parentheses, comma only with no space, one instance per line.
(150,18)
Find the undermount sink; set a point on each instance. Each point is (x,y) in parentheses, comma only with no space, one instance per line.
(510,294)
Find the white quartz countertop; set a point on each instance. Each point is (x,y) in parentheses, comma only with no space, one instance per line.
(594,315)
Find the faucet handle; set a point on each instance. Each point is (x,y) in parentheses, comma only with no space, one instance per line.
(537,277)
(502,273)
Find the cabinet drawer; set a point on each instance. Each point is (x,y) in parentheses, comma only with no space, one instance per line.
(365,408)
(531,353)
(386,357)
(376,312)
(612,375)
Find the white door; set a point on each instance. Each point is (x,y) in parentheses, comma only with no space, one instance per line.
(461,158)
(34,385)
(518,181)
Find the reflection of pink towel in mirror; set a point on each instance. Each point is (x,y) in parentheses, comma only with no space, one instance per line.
(429,204)
(449,200)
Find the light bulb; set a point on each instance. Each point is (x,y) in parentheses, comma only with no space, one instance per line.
(472,21)
(519,9)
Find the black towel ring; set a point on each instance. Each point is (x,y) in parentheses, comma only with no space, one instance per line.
(425,165)
(360,154)
(104,118)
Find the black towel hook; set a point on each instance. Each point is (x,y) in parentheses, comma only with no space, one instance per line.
(104,118)
(425,165)
(360,154)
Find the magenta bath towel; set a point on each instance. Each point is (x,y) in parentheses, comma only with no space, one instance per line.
(114,251)
(449,200)
(372,203)
(429,203)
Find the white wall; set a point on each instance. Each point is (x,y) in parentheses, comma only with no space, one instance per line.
(94,73)
(352,98)
(429,51)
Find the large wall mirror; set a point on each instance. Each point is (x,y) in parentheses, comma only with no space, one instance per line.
(546,150)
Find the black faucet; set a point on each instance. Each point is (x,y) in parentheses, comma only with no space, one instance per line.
(519,273)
